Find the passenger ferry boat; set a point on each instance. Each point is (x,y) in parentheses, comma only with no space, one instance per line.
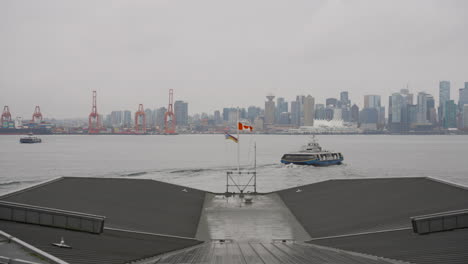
(313,154)
(30,139)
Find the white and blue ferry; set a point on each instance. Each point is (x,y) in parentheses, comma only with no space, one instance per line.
(313,154)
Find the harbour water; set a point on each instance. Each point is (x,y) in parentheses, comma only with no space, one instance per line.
(200,161)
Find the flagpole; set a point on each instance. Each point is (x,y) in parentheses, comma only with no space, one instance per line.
(238,142)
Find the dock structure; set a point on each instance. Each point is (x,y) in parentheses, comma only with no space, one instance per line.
(114,220)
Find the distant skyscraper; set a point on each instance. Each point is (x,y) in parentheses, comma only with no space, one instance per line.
(331,102)
(371,101)
(421,116)
(431,110)
(127,118)
(281,107)
(116,119)
(270,110)
(355,113)
(181,113)
(320,112)
(444,96)
(344,98)
(217,117)
(465,115)
(160,118)
(252,113)
(463,96)
(450,114)
(149,117)
(309,114)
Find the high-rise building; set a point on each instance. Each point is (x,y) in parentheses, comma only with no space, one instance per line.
(295,113)
(285,118)
(371,101)
(355,113)
(331,102)
(281,107)
(396,103)
(444,96)
(450,114)
(160,112)
(127,118)
(320,112)
(181,113)
(465,115)
(431,110)
(252,113)
(344,99)
(463,96)
(421,116)
(149,117)
(217,117)
(309,111)
(116,118)
(270,110)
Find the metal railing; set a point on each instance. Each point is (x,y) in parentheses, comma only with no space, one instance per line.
(30,214)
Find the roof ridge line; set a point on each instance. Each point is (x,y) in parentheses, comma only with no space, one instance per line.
(28,188)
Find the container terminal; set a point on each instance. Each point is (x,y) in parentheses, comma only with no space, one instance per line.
(114,220)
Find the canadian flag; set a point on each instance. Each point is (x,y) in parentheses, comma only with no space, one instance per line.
(241,126)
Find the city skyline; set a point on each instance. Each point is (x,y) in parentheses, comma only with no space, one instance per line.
(55,53)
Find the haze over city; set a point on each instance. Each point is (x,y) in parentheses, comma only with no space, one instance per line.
(222,54)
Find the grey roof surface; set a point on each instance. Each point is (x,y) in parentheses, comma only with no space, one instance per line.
(271,253)
(11,250)
(340,207)
(109,247)
(141,205)
(444,247)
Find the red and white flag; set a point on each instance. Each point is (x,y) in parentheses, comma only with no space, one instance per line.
(241,126)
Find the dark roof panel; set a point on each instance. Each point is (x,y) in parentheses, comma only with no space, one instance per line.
(444,247)
(108,247)
(339,207)
(141,205)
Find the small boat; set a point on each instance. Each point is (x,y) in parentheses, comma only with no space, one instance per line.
(313,154)
(30,139)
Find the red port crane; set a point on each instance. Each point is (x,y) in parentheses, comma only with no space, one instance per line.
(37,115)
(94,121)
(6,116)
(169,116)
(140,120)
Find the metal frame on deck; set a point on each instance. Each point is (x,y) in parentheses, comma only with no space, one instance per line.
(231,182)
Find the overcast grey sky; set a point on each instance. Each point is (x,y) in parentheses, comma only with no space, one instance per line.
(217,53)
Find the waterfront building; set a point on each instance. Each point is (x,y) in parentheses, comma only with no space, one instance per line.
(450,111)
(309,111)
(181,113)
(270,110)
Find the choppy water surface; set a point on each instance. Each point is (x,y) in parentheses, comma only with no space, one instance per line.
(200,161)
